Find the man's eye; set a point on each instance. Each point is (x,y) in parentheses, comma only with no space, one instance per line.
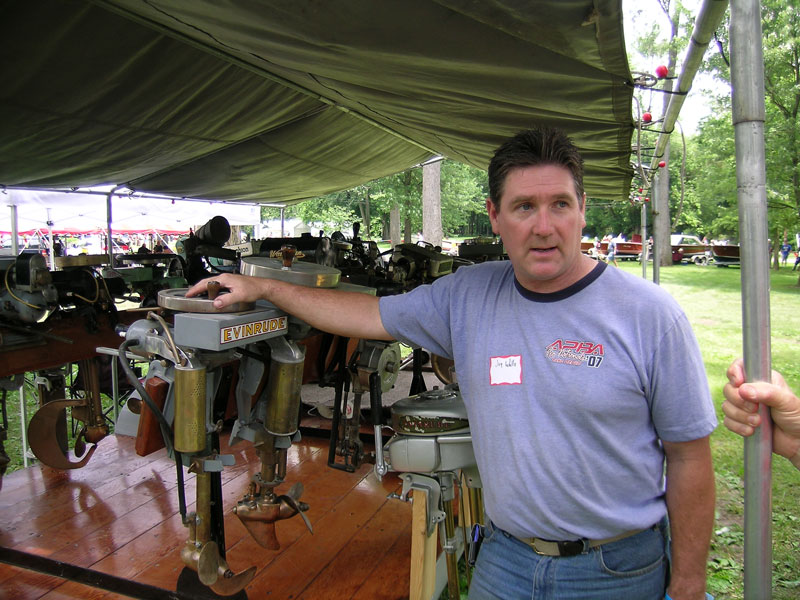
(525,206)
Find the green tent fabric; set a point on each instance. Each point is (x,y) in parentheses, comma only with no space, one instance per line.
(280,101)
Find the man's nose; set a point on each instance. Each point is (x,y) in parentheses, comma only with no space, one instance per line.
(542,224)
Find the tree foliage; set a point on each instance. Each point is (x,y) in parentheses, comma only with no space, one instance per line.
(463,193)
(712,160)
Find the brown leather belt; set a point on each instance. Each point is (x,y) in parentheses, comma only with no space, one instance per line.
(574,547)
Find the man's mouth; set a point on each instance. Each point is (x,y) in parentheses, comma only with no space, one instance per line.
(543,250)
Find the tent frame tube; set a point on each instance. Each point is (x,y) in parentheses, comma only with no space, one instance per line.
(747,78)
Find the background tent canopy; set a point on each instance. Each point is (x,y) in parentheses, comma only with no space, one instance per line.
(86,213)
(282,101)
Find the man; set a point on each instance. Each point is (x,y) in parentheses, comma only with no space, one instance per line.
(611,257)
(785,249)
(578,381)
(741,410)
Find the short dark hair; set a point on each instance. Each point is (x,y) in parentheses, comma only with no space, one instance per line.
(538,146)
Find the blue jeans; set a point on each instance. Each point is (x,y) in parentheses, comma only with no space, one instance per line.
(634,568)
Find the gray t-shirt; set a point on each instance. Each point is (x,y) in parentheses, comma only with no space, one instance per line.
(568,394)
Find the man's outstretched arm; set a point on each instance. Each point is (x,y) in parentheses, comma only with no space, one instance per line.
(351,314)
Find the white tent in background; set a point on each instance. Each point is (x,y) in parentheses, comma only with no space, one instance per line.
(85,212)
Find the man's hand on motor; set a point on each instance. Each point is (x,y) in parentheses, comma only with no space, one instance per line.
(240,287)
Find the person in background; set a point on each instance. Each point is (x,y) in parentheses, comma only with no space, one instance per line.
(785,249)
(741,410)
(611,255)
(572,402)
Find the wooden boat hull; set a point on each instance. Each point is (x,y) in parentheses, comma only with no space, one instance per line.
(690,250)
(725,255)
(625,250)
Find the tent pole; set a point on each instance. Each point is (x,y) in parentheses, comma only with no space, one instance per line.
(283,210)
(109,244)
(644,240)
(708,19)
(14,231)
(747,78)
(656,200)
(50,238)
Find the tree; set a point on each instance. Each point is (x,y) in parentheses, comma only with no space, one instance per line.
(463,192)
(432,203)
(781,44)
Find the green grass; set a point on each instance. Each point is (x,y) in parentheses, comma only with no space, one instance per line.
(712,300)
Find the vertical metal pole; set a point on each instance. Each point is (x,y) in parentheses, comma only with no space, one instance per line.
(23,418)
(747,78)
(52,252)
(283,210)
(115,388)
(644,240)
(656,200)
(14,231)
(109,245)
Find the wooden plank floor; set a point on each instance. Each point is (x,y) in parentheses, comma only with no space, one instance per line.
(119,515)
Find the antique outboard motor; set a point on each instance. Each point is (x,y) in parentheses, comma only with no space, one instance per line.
(431,444)
(205,243)
(29,295)
(188,357)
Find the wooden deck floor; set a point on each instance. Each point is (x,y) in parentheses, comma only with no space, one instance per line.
(119,515)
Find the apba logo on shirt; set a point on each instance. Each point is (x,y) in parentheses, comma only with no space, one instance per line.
(576,353)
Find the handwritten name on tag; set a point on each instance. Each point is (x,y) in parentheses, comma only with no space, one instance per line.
(505,370)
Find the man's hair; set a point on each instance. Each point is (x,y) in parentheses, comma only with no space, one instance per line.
(532,147)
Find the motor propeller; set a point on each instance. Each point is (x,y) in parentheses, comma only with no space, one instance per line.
(258,512)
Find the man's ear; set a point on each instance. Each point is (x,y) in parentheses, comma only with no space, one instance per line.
(583,211)
(491,210)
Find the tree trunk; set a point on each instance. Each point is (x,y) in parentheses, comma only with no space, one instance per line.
(394,225)
(661,222)
(367,234)
(662,225)
(432,203)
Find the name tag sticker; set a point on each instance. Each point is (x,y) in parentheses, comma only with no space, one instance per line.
(505,370)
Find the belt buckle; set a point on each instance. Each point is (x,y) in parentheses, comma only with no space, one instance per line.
(532,544)
(568,548)
(571,548)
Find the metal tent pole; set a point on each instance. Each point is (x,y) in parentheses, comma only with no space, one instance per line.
(14,231)
(656,200)
(109,219)
(709,17)
(747,78)
(644,240)
(52,251)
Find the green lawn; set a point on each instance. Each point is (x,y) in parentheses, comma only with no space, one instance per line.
(711,298)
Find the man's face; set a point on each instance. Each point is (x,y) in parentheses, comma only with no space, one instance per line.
(540,222)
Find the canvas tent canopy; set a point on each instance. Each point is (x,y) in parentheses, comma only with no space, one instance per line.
(278,101)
